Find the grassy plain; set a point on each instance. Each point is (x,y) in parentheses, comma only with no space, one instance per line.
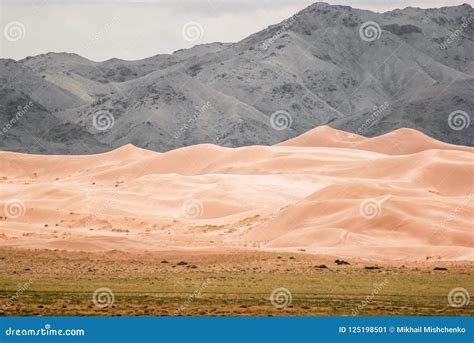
(224,284)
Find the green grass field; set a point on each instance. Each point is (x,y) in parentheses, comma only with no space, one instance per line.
(231,284)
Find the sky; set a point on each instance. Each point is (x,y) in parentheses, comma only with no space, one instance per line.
(135,29)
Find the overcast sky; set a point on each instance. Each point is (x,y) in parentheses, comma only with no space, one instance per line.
(130,29)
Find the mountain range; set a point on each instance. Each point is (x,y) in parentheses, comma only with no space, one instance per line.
(356,70)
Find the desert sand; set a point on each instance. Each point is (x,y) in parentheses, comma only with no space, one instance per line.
(399,196)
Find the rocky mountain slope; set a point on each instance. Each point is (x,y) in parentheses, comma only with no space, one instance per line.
(352,69)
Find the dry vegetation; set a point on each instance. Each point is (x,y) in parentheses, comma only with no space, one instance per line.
(62,283)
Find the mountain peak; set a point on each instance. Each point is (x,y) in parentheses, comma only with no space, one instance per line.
(319,67)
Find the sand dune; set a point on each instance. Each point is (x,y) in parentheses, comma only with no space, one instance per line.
(397,142)
(400,196)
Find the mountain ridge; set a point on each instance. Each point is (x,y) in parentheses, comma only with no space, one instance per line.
(313,68)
